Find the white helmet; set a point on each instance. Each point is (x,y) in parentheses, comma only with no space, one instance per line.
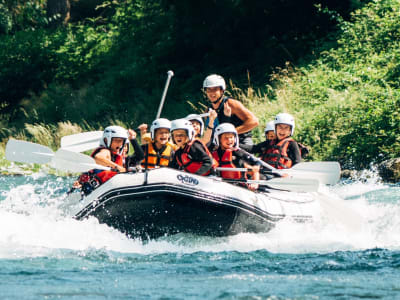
(184,125)
(197,118)
(213,81)
(224,128)
(270,126)
(159,123)
(113,132)
(285,118)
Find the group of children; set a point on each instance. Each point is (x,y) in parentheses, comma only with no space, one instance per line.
(190,145)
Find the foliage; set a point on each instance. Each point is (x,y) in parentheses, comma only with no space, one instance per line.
(342,81)
(349,98)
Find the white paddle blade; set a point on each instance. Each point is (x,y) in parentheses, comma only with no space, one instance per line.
(27,152)
(81,141)
(327,172)
(74,162)
(293,184)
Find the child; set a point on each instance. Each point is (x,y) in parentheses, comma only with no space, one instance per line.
(192,155)
(269,131)
(159,152)
(198,126)
(228,155)
(110,154)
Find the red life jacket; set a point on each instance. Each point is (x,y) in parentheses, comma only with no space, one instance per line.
(186,162)
(105,175)
(276,154)
(226,162)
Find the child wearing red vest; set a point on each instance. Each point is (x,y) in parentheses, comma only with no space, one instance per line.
(192,155)
(283,152)
(228,155)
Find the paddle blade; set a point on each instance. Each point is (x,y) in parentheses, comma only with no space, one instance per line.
(81,141)
(74,162)
(27,152)
(293,184)
(327,172)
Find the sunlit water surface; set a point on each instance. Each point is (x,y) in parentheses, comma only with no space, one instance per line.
(46,254)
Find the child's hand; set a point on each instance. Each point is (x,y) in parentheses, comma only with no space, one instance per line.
(132,134)
(76,185)
(227,109)
(142,128)
(252,186)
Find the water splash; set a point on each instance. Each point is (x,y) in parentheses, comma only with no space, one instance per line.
(34,223)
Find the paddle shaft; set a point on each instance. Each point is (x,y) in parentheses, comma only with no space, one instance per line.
(170,74)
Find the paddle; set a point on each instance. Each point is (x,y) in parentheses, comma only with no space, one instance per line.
(27,152)
(81,141)
(327,172)
(284,183)
(170,74)
(74,161)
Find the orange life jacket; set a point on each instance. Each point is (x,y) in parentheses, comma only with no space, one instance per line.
(152,158)
(190,166)
(104,175)
(226,162)
(276,154)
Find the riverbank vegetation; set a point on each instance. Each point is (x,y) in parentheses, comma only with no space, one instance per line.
(335,67)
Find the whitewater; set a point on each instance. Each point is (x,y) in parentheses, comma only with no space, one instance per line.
(46,254)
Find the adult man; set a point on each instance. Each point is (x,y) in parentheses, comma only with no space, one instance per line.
(229,110)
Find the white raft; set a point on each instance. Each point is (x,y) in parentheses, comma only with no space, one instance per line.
(165,201)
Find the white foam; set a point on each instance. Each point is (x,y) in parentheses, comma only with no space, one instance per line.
(34,224)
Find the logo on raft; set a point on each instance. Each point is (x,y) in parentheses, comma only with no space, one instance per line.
(187,179)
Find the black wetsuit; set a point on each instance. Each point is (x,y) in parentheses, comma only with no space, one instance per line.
(244,138)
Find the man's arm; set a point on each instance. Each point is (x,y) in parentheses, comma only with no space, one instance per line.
(250,121)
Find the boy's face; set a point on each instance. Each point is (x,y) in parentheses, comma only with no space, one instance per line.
(196,126)
(214,93)
(161,136)
(270,135)
(117,144)
(227,140)
(180,137)
(283,131)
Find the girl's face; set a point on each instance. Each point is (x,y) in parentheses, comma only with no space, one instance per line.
(125,151)
(227,140)
(214,93)
(117,144)
(270,135)
(161,136)
(283,131)
(180,137)
(196,126)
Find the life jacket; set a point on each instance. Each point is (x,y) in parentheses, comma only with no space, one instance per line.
(276,154)
(184,160)
(104,175)
(226,161)
(152,158)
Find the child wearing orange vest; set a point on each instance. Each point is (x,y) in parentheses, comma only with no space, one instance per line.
(159,152)
(228,155)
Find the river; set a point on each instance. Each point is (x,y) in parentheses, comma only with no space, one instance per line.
(46,254)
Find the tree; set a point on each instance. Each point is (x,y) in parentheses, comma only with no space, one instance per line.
(58,11)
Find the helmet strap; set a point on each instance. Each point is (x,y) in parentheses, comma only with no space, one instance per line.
(219,99)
